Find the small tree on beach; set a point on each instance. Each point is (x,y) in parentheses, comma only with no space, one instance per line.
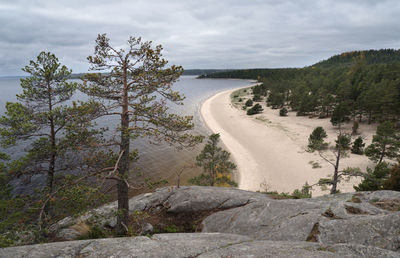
(358,146)
(283,112)
(386,143)
(339,152)
(257,108)
(249,103)
(214,160)
(316,139)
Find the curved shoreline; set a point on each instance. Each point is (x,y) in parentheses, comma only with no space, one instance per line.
(269,150)
(239,153)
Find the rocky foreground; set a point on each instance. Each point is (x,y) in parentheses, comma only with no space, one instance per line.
(241,224)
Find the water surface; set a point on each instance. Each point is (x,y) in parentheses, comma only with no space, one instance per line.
(155,161)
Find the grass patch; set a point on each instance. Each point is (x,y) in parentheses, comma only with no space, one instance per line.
(263,119)
(314,164)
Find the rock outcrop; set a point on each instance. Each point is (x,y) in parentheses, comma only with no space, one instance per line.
(192,245)
(242,223)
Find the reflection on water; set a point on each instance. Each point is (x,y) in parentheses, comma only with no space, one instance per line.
(155,161)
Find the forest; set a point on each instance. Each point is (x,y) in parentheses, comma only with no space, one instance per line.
(367,83)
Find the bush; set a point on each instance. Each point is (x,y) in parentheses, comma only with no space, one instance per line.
(257,98)
(393,182)
(221,180)
(316,139)
(257,108)
(244,107)
(240,99)
(374,179)
(358,146)
(283,112)
(249,103)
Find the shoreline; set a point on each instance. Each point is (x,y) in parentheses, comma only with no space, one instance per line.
(225,137)
(270,151)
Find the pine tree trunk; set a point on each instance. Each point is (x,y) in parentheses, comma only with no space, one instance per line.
(52,162)
(383,153)
(123,168)
(336,172)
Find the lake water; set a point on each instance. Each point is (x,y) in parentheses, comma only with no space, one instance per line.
(155,161)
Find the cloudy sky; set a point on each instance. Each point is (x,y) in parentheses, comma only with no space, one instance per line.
(198,34)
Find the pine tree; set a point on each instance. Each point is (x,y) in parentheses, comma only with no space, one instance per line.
(136,88)
(57,136)
(316,139)
(358,146)
(386,143)
(214,160)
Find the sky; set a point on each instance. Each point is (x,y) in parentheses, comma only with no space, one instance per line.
(198,34)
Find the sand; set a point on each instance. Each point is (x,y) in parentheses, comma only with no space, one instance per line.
(270,151)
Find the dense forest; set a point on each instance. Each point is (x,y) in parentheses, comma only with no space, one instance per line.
(366,83)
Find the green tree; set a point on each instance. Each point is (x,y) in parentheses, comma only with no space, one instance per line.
(214,160)
(257,98)
(393,182)
(283,112)
(358,146)
(41,119)
(339,151)
(373,179)
(38,113)
(340,114)
(136,87)
(249,103)
(386,143)
(257,108)
(344,140)
(316,139)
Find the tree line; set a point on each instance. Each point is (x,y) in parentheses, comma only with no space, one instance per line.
(368,86)
(359,86)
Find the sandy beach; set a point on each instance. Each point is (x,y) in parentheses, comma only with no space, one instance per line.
(270,151)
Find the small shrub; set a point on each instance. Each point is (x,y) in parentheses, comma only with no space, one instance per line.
(202,180)
(283,112)
(244,107)
(315,164)
(374,179)
(358,146)
(257,108)
(249,103)
(393,182)
(236,96)
(240,99)
(171,228)
(316,139)
(257,98)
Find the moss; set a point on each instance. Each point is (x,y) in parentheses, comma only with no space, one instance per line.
(313,236)
(355,210)
(330,215)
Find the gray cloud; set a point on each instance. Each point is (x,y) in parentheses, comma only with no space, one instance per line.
(198,34)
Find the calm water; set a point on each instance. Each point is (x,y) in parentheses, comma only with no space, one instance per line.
(156,161)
